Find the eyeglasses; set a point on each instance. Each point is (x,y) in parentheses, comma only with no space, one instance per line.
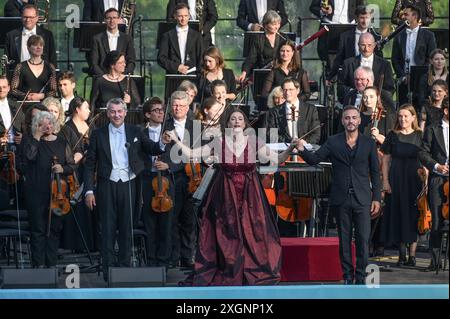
(157,111)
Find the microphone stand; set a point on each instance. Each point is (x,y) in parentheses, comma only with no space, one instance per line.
(133,256)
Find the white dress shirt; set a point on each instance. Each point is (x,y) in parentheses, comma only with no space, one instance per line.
(411,39)
(192,9)
(358,100)
(65,102)
(340,11)
(261,9)
(357,35)
(289,117)
(182,34)
(154,134)
(119,154)
(5,113)
(26,34)
(179,128)
(367,61)
(445,128)
(112,40)
(108,4)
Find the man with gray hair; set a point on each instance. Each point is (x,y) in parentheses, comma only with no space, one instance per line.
(183,222)
(367,58)
(116,153)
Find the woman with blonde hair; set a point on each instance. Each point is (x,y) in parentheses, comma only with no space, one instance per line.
(55,107)
(275,97)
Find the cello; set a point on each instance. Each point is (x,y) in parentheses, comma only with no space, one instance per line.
(424,223)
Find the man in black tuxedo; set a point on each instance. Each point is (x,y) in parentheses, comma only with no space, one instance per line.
(94,10)
(116,153)
(184,222)
(16,40)
(8,109)
(110,40)
(13,8)
(367,58)
(434,156)
(348,41)
(251,13)
(306,115)
(202,10)
(355,192)
(181,48)
(412,46)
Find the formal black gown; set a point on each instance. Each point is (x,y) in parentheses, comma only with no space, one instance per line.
(431,115)
(24,80)
(204,86)
(238,242)
(401,213)
(104,90)
(277,76)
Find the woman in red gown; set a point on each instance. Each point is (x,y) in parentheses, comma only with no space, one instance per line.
(238,240)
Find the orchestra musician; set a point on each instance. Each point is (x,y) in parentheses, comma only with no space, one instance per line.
(111,40)
(66,84)
(158,225)
(116,156)
(251,13)
(39,149)
(355,189)
(402,184)
(434,156)
(35,74)
(202,10)
(114,83)
(192,92)
(287,64)
(219,91)
(55,107)
(16,47)
(213,68)
(275,98)
(437,71)
(425,7)
(431,113)
(181,48)
(413,46)
(8,109)
(238,240)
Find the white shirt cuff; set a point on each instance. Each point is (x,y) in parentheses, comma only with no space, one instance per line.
(249,28)
(162,146)
(89,193)
(435,170)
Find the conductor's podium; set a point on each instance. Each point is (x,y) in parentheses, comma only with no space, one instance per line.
(311,259)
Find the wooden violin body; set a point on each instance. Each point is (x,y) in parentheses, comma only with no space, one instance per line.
(161,201)
(194,172)
(445,204)
(60,203)
(424,223)
(9,173)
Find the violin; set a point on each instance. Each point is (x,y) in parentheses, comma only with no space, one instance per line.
(60,204)
(161,201)
(445,204)
(74,185)
(424,223)
(193,171)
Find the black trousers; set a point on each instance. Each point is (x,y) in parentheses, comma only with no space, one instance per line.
(184,221)
(113,204)
(435,199)
(44,248)
(352,213)
(157,225)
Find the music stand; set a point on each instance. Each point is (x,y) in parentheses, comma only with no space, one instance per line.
(441,36)
(332,37)
(173,81)
(259,77)
(8,24)
(165,26)
(83,36)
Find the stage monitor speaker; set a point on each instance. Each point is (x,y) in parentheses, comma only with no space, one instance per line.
(137,277)
(29,278)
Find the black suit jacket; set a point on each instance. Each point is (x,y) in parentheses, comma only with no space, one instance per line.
(13,8)
(425,44)
(100,48)
(18,122)
(14,45)
(98,157)
(208,21)
(248,13)
(188,139)
(386,99)
(346,50)
(169,56)
(363,171)
(433,147)
(380,66)
(315,8)
(308,119)
(94,10)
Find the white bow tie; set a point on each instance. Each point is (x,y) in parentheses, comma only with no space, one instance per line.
(182,30)
(27,33)
(117,131)
(409,31)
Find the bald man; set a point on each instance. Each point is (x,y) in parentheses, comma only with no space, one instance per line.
(367,58)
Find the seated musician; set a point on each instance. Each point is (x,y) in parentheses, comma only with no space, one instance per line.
(251,13)
(434,155)
(275,98)
(368,59)
(349,40)
(287,64)
(412,46)
(35,74)
(431,113)
(219,91)
(111,40)
(425,7)
(265,47)
(181,48)
(8,110)
(66,84)
(213,68)
(202,10)
(114,83)
(158,225)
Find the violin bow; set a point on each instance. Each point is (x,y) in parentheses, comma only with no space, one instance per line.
(89,127)
(17,113)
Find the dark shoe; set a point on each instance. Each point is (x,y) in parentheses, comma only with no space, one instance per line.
(187,264)
(348,281)
(360,282)
(411,261)
(432,268)
(401,261)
